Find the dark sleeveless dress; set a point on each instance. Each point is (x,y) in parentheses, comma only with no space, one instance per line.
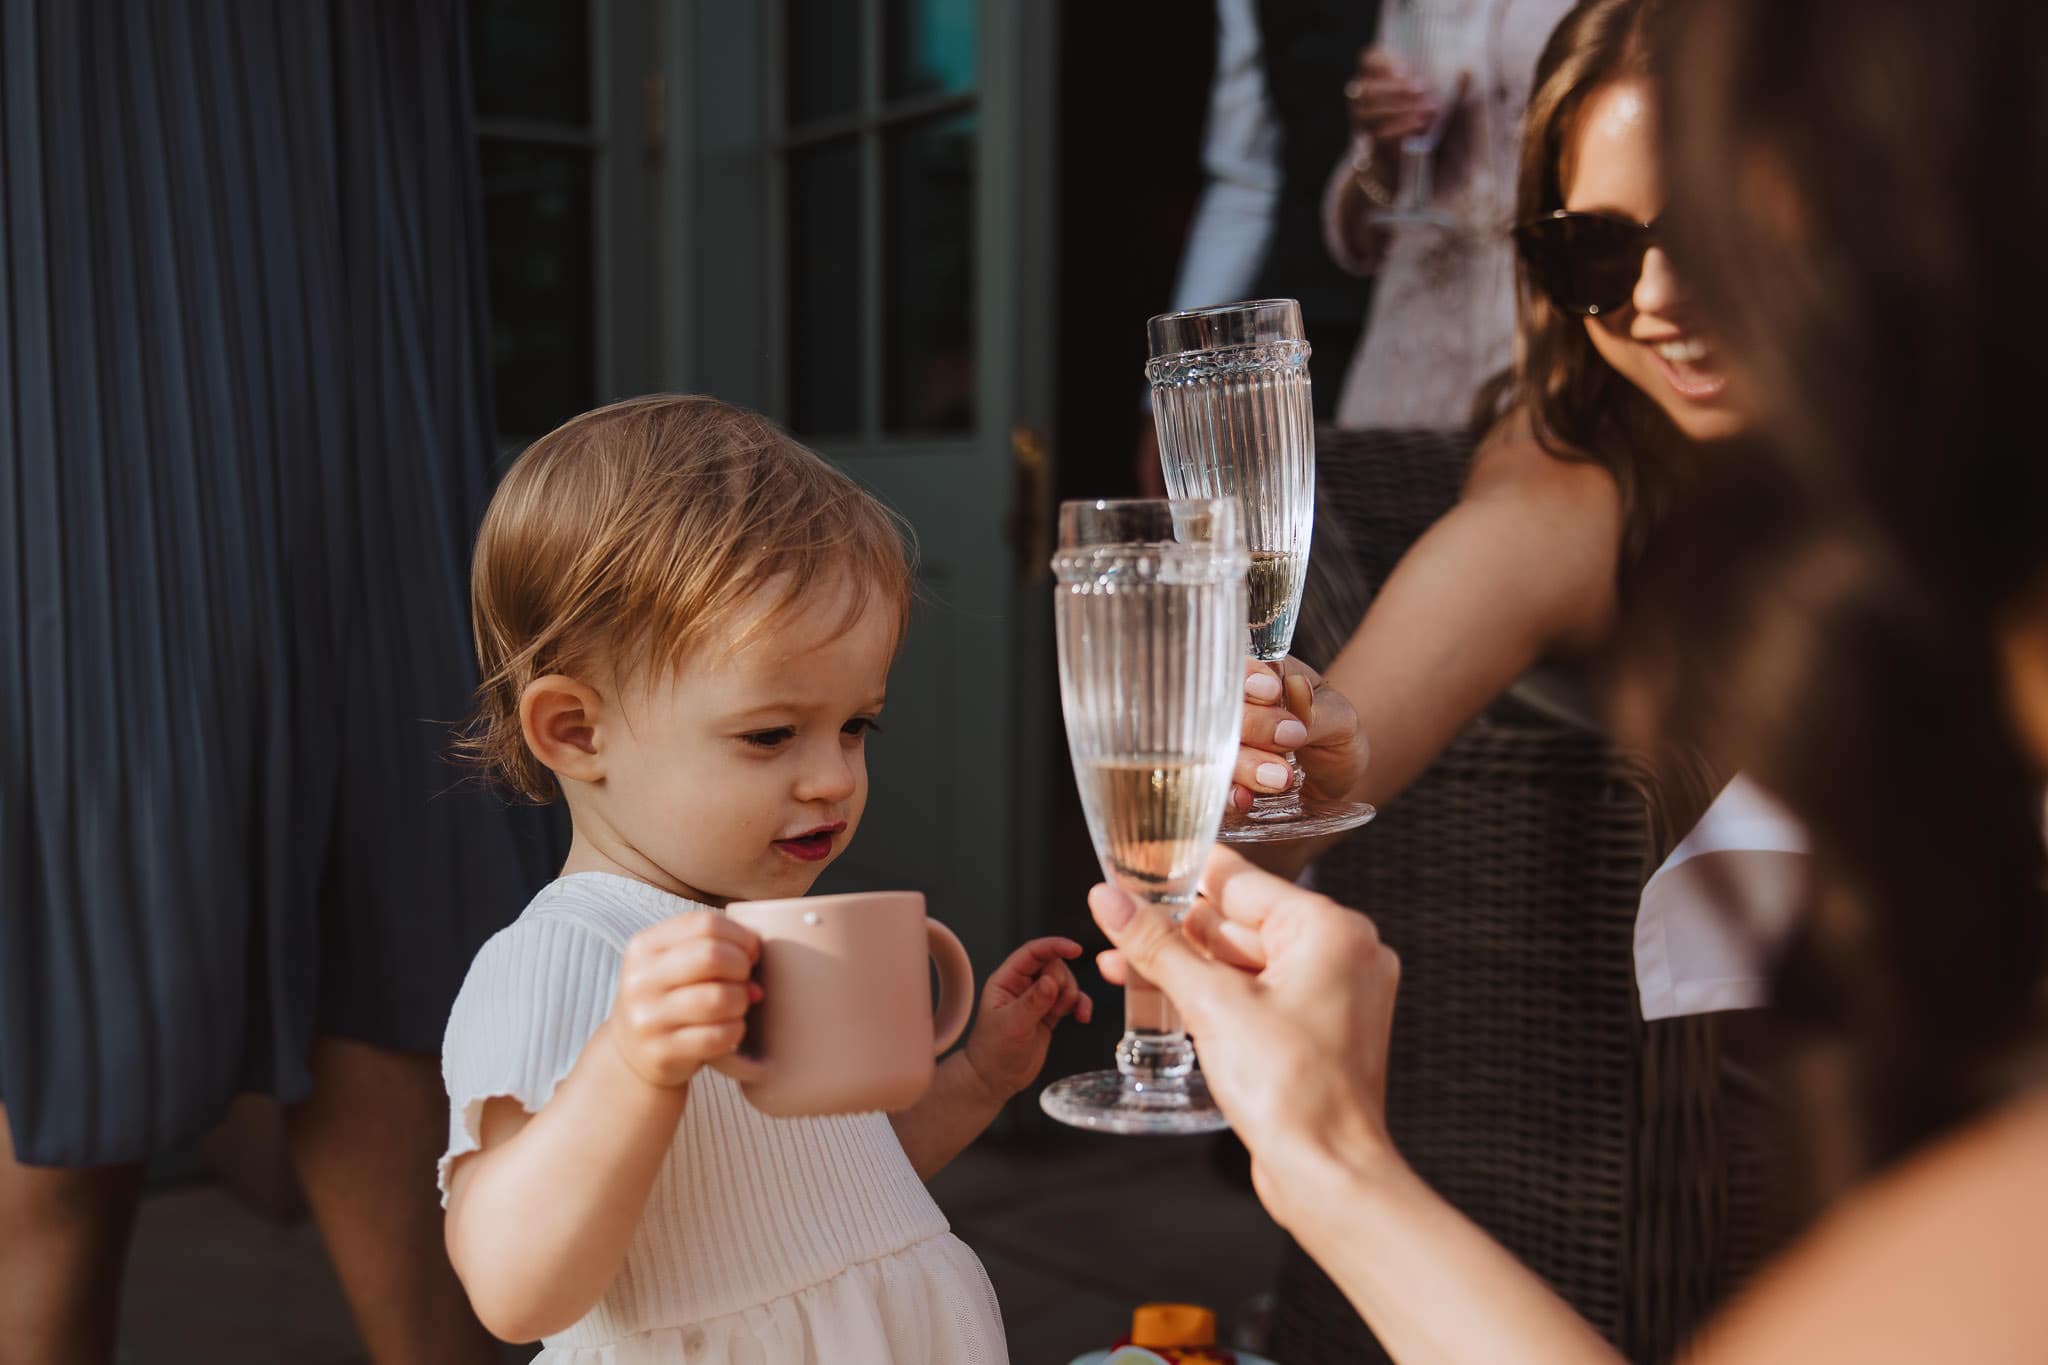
(244,444)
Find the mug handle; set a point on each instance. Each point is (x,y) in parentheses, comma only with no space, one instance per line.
(956,986)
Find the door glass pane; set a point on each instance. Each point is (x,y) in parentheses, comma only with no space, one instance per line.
(539,262)
(824,58)
(928,275)
(928,47)
(825,288)
(530,59)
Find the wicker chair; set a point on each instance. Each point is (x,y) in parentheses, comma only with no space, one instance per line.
(1524,1084)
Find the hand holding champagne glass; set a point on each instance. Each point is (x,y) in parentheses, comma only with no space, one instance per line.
(1150,609)
(1230,393)
(1431,39)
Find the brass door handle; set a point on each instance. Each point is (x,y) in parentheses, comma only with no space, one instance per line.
(1030,527)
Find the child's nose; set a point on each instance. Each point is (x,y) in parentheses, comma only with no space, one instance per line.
(827,777)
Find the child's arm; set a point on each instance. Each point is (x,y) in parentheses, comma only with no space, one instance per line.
(539,1218)
(1024,1000)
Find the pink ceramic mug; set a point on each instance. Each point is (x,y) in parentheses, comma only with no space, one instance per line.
(846,1023)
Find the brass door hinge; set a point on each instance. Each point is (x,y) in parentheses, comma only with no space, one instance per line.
(1030,503)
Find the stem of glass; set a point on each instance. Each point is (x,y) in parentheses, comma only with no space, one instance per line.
(1416,156)
(1155,1051)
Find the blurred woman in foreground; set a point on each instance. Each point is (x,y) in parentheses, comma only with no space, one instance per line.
(1860,203)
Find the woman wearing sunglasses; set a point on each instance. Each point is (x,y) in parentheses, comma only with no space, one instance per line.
(1616,396)
(1615,399)
(1879,634)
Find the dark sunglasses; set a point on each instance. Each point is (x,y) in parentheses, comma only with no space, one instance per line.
(1587,263)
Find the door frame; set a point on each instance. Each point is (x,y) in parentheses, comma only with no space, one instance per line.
(720,66)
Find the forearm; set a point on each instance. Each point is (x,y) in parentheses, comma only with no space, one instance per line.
(1501,581)
(540,1221)
(1434,1287)
(956,1110)
(1418,726)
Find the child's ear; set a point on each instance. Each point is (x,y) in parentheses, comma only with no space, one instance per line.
(559,717)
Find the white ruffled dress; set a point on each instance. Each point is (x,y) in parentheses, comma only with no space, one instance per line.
(765,1241)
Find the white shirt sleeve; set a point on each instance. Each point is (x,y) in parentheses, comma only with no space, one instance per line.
(535,995)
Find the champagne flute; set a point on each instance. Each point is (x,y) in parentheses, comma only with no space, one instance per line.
(1430,38)
(1149,605)
(1230,392)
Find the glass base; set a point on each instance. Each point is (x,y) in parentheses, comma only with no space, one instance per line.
(1110,1102)
(1316,818)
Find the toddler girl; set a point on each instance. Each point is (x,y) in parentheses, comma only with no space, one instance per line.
(686,622)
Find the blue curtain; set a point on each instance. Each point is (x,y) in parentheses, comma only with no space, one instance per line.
(244,444)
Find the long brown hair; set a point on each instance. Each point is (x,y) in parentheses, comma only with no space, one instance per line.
(1579,408)
(1856,201)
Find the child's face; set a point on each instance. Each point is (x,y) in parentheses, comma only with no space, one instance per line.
(745,775)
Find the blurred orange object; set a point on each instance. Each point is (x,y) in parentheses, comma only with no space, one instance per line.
(1172,1324)
(1184,1333)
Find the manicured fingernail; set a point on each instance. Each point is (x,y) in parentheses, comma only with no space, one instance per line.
(1272,775)
(1262,686)
(754,992)
(1290,734)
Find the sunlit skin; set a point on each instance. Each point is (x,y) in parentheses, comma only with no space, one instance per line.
(1653,343)
(742,776)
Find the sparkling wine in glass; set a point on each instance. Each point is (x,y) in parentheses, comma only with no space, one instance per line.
(1149,605)
(1231,397)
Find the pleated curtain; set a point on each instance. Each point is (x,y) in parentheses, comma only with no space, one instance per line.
(244,443)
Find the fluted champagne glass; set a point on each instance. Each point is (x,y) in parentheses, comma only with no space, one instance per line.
(1230,392)
(1149,609)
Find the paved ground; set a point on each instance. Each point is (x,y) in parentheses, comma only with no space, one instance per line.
(1074,1230)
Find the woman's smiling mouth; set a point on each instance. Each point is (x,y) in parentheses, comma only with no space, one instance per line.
(1686,364)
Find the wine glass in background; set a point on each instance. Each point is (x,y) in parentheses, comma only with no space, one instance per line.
(1230,396)
(1433,40)
(1149,609)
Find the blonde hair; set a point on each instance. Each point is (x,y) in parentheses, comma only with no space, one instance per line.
(626,537)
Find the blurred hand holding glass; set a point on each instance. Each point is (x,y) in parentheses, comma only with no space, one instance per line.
(1230,395)
(1149,608)
(1435,42)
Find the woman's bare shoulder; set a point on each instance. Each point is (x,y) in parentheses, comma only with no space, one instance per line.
(1941,1259)
(1545,531)
(1511,463)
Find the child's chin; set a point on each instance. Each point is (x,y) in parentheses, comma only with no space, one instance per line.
(791,879)
(802,879)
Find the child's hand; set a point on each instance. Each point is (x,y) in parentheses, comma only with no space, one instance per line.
(683,996)
(1025,998)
